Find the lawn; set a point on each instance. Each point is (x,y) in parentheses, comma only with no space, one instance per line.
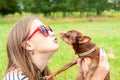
(104,33)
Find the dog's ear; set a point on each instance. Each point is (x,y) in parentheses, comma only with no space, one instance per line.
(84,39)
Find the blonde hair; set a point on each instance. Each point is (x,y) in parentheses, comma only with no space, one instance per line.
(17,55)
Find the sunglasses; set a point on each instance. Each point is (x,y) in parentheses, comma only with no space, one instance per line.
(42,29)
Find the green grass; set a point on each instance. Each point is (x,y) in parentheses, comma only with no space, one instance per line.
(104,33)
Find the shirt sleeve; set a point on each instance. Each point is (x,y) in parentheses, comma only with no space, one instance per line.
(15,75)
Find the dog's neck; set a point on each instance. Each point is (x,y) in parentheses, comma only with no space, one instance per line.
(87,52)
(84,49)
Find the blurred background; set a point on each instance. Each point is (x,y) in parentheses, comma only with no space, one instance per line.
(99,19)
(65,7)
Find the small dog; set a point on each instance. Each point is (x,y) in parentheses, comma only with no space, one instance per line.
(83,48)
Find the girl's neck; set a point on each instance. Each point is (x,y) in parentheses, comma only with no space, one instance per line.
(41,59)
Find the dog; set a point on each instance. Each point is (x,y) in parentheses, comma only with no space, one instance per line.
(83,47)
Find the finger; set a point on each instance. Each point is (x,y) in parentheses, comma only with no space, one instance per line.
(107,67)
(102,52)
(104,61)
(85,65)
(103,56)
(79,63)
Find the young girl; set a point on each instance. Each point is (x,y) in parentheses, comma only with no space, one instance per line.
(30,45)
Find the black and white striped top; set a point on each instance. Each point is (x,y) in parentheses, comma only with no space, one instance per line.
(15,74)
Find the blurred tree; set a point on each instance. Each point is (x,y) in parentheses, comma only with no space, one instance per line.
(45,7)
(37,6)
(52,6)
(116,4)
(60,6)
(82,7)
(28,5)
(100,6)
(9,6)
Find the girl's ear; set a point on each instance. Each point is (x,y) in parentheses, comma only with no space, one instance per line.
(84,39)
(27,45)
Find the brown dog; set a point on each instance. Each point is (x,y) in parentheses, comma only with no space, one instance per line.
(83,48)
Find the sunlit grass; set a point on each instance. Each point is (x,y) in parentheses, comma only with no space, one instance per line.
(104,33)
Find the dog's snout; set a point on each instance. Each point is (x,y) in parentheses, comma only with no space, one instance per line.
(61,35)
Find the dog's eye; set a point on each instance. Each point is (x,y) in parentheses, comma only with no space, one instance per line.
(66,35)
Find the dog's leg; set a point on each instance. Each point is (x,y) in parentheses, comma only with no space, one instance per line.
(70,64)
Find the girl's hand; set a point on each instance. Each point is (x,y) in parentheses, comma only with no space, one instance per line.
(101,71)
(83,67)
(103,67)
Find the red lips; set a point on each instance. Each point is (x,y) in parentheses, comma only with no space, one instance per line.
(55,40)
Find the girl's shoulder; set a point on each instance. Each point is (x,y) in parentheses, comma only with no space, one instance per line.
(15,74)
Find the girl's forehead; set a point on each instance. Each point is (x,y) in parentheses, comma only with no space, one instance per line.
(35,24)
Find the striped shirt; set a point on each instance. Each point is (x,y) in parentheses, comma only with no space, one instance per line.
(15,74)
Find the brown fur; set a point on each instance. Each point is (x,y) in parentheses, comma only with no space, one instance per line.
(80,44)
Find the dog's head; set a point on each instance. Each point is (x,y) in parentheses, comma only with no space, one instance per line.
(74,36)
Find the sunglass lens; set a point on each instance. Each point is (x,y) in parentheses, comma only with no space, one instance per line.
(44,30)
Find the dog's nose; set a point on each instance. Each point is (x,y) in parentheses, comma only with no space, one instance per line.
(61,35)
